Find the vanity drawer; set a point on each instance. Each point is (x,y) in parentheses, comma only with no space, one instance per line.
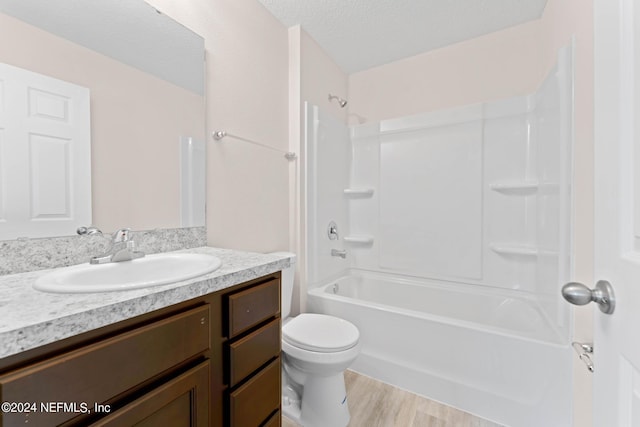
(252,351)
(100,371)
(274,421)
(251,306)
(253,402)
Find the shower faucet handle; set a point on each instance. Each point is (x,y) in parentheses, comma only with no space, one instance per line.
(332,231)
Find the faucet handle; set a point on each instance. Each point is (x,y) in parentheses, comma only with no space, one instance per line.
(332,231)
(121,235)
(82,231)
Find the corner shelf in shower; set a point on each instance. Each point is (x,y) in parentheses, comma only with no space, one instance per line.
(358,193)
(518,250)
(515,188)
(359,239)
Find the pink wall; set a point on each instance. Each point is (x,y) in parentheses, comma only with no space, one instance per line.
(320,75)
(247,95)
(136,123)
(312,76)
(491,67)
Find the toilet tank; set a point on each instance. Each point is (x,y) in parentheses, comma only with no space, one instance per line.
(286,293)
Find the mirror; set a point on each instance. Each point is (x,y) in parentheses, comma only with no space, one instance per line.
(145,77)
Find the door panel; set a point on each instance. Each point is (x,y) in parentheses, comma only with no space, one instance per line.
(50,170)
(45,155)
(617,210)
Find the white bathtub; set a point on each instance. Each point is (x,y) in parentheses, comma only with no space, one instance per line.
(481,350)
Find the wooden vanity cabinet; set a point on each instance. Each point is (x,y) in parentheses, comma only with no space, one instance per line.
(252,354)
(209,361)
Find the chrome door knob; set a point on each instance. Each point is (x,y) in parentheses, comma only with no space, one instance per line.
(603,295)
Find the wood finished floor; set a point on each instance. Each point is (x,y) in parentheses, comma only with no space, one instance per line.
(375,404)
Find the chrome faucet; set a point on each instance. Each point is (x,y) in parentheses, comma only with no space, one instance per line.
(336,252)
(123,248)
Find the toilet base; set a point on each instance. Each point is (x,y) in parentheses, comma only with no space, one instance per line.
(291,407)
(323,402)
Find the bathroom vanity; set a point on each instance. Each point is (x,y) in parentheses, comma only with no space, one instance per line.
(209,356)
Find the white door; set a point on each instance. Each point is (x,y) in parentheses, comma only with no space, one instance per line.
(45,155)
(617,211)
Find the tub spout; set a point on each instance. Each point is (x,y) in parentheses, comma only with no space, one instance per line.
(336,252)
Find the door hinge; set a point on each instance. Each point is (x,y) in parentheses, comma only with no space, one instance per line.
(585,351)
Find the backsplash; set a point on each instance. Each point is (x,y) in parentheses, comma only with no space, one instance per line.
(22,255)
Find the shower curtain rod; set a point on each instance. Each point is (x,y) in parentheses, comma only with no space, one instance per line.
(219,134)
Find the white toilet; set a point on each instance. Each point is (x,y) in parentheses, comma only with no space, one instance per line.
(316,348)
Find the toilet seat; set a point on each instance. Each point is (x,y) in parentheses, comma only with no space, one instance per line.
(320,333)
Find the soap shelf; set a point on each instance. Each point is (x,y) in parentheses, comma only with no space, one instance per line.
(515,187)
(358,192)
(359,239)
(519,250)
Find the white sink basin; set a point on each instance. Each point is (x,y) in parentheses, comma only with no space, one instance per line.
(151,270)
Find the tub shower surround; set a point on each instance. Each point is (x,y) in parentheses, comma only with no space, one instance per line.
(456,225)
(23,255)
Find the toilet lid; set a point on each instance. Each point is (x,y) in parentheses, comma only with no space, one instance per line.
(320,332)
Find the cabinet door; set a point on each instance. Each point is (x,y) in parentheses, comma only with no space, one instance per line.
(181,402)
(101,371)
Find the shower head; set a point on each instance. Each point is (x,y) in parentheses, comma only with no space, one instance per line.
(341,102)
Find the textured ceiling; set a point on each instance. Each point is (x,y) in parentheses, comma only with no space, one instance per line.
(361,34)
(130,31)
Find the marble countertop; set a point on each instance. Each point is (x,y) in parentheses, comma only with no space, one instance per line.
(30,318)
